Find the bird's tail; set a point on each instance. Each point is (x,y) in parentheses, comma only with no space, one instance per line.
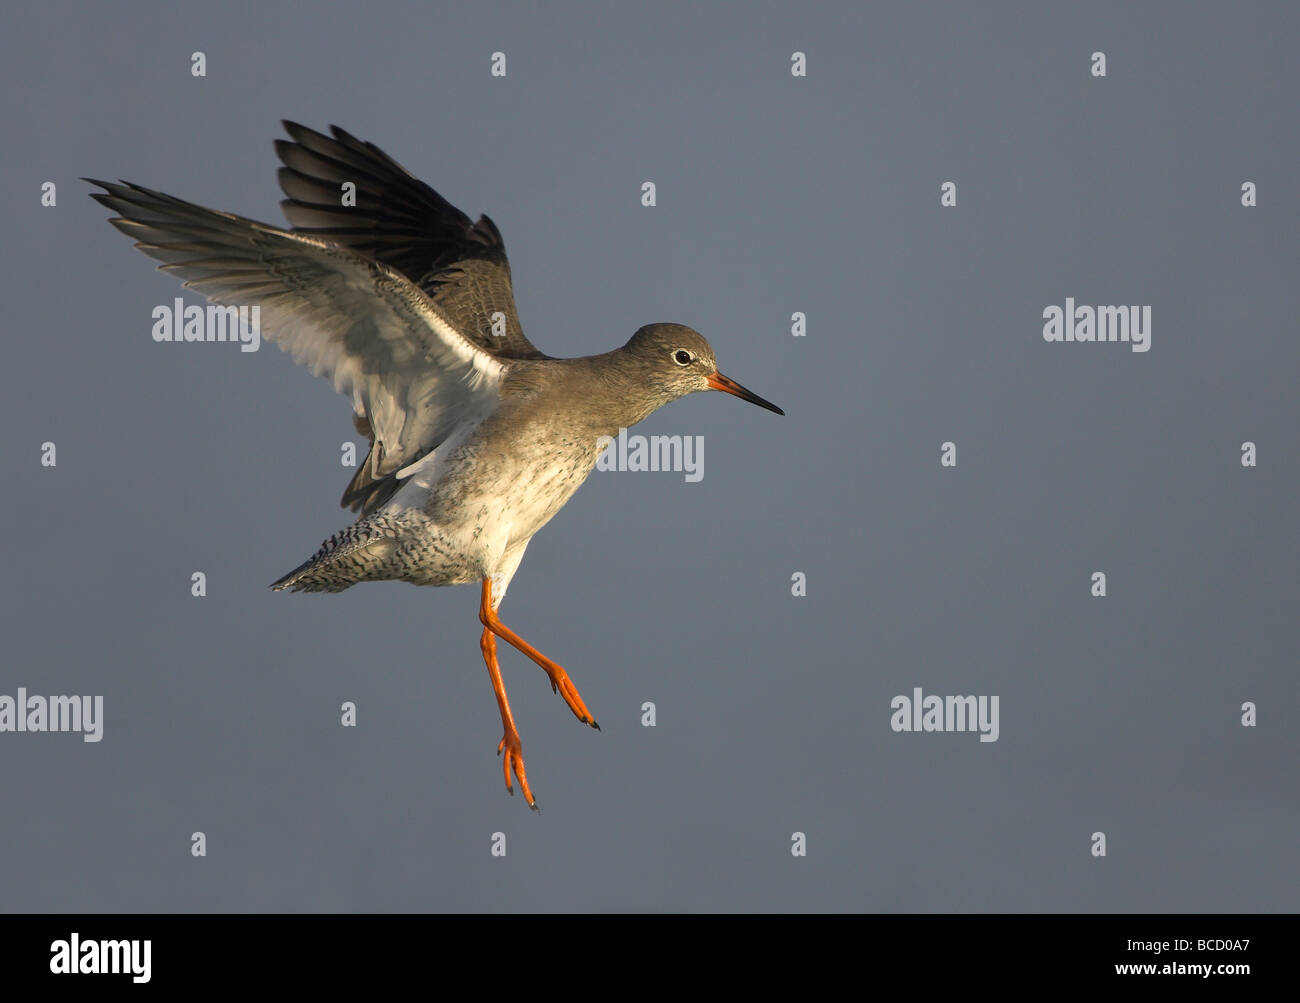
(356,554)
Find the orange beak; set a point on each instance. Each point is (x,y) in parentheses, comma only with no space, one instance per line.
(726,384)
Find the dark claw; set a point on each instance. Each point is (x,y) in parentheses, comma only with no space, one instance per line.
(594,724)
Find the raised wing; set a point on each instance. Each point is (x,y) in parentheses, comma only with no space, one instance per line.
(402,222)
(411,375)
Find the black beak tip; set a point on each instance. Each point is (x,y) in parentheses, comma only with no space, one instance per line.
(766,405)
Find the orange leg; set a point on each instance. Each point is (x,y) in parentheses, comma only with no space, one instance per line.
(510,744)
(559,678)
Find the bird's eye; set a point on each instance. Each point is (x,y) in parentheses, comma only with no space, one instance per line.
(683,357)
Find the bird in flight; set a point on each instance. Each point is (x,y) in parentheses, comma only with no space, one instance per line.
(476,438)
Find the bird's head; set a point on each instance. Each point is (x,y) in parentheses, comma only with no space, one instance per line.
(677,361)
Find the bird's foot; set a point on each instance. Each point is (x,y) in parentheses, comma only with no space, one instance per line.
(561,683)
(514,760)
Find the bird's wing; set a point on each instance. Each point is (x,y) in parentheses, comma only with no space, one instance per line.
(400,221)
(412,376)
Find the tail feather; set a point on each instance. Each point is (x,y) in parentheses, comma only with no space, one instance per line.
(356,554)
(293,579)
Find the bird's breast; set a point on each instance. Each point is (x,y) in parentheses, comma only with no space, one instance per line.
(501,489)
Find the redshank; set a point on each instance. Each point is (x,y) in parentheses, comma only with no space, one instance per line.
(476,438)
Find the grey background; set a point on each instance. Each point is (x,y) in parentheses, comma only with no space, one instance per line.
(775,195)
